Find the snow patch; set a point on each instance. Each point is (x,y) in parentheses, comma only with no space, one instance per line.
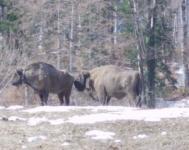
(100,114)
(93,118)
(15,107)
(36,120)
(15,118)
(46,109)
(36,138)
(117,141)
(140,136)
(65,144)
(70,108)
(2,107)
(131,114)
(56,122)
(100,135)
(163,133)
(24,146)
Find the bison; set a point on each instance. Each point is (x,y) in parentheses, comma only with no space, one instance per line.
(111,81)
(44,78)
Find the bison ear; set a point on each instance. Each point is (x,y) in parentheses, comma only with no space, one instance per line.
(19,72)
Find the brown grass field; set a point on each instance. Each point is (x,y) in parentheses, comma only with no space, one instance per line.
(167,134)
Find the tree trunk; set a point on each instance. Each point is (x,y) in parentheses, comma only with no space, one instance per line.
(71,37)
(179,40)
(78,52)
(115,25)
(58,28)
(140,48)
(185,17)
(151,61)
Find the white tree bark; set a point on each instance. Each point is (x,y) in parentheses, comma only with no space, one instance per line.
(115,25)
(58,28)
(40,38)
(180,43)
(71,37)
(185,53)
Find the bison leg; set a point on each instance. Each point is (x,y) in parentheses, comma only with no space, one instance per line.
(107,100)
(61,98)
(67,99)
(139,103)
(101,97)
(102,94)
(44,97)
(131,99)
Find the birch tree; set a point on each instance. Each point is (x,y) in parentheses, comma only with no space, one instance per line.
(140,46)
(71,36)
(185,52)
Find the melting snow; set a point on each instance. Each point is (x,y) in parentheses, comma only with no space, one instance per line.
(131,114)
(15,107)
(36,120)
(117,141)
(140,136)
(2,107)
(65,144)
(100,135)
(24,146)
(70,108)
(56,122)
(46,109)
(163,133)
(114,114)
(36,138)
(174,109)
(15,118)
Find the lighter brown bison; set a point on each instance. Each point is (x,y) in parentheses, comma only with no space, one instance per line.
(44,79)
(111,81)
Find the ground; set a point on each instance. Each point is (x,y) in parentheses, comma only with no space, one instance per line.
(93,128)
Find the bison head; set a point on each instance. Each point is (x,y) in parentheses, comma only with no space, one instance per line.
(80,83)
(17,78)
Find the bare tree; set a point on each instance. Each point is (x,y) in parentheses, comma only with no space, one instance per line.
(140,46)
(185,52)
(151,58)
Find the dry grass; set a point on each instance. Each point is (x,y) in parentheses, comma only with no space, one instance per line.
(14,134)
(19,96)
(12,96)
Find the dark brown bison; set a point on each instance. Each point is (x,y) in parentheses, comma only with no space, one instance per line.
(111,81)
(44,79)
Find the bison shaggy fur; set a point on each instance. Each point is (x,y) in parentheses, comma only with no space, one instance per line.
(111,81)
(44,79)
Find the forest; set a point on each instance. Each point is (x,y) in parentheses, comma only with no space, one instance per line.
(146,35)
